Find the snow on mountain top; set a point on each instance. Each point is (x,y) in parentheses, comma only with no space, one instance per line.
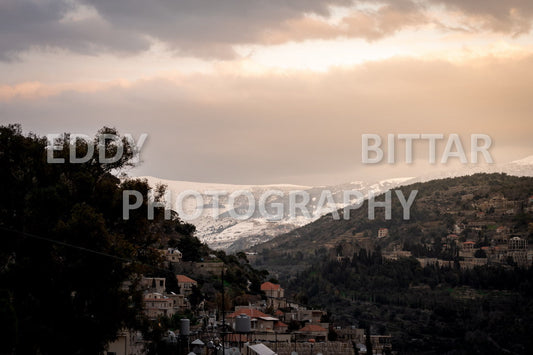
(396,180)
(526,161)
(176,185)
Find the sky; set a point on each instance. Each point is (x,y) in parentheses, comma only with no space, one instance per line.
(272,91)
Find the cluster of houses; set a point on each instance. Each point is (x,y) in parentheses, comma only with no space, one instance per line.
(273,325)
(503,249)
(480,240)
(158,302)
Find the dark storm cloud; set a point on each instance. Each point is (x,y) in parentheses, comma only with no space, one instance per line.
(198,27)
(24,24)
(209,29)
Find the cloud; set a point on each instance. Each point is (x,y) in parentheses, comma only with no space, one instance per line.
(191,27)
(367,24)
(210,29)
(512,16)
(296,127)
(48,24)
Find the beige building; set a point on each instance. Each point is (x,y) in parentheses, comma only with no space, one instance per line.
(186,284)
(172,255)
(383,232)
(127,343)
(159,305)
(153,284)
(272,290)
(517,249)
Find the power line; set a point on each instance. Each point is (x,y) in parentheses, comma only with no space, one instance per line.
(92,251)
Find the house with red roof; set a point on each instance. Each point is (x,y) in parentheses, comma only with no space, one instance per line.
(313,331)
(260,321)
(468,245)
(186,284)
(250,312)
(281,327)
(273,290)
(275,295)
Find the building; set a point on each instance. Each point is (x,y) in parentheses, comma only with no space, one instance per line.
(312,331)
(179,302)
(469,263)
(281,327)
(260,349)
(127,343)
(153,284)
(517,250)
(305,315)
(186,284)
(502,230)
(468,246)
(397,254)
(272,290)
(452,237)
(380,343)
(173,255)
(260,322)
(383,232)
(158,305)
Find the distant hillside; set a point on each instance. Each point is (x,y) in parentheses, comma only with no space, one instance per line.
(371,282)
(441,207)
(223,232)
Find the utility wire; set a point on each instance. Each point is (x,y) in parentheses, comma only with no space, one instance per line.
(92,251)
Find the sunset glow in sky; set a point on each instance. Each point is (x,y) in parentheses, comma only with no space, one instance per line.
(272,91)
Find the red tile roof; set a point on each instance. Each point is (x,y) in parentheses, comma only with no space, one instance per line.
(252,313)
(280,324)
(183,278)
(313,328)
(269,286)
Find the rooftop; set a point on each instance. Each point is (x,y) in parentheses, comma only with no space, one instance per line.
(313,328)
(269,286)
(250,312)
(183,278)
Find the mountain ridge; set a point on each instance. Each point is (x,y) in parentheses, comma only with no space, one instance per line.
(230,234)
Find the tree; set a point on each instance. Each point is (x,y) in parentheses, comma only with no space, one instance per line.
(332,334)
(480,253)
(66,251)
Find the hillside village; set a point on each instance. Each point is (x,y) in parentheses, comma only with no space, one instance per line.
(458,227)
(271,321)
(484,232)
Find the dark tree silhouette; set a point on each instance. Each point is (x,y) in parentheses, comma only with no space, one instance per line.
(69,262)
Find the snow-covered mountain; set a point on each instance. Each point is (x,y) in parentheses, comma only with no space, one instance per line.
(217,227)
(220,229)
